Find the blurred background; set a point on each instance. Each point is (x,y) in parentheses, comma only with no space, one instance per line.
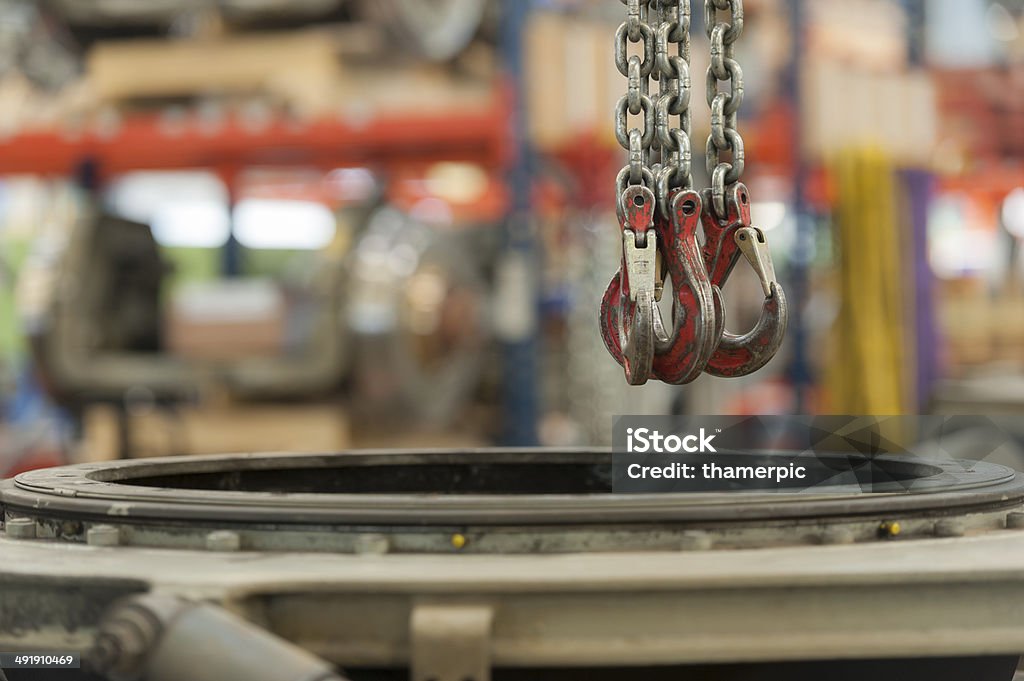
(308,225)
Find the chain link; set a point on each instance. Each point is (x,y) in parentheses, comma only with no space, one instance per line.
(659,146)
(660,155)
(725,137)
(659,166)
(637,101)
(674,94)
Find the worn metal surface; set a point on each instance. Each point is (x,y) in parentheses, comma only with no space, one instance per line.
(502,501)
(884,599)
(686,346)
(659,164)
(727,238)
(628,309)
(367,559)
(451,642)
(162,638)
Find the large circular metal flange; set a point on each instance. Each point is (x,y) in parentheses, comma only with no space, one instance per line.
(490,501)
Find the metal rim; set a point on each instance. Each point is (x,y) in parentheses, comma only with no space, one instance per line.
(105,490)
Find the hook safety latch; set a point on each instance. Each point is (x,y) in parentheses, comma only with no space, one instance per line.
(629,307)
(754,248)
(638,338)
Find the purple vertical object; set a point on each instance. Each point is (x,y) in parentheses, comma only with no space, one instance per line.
(919,186)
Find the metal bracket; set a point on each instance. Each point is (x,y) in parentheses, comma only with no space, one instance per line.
(451,642)
(641,263)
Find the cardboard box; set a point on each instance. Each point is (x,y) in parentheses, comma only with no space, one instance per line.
(227,320)
(230,429)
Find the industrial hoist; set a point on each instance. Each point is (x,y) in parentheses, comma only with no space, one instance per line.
(662,216)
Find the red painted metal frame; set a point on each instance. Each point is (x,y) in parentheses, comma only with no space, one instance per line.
(150,142)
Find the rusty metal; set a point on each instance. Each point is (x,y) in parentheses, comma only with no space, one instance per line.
(727,239)
(659,161)
(628,309)
(683,352)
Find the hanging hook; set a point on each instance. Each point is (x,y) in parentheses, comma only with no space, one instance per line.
(727,239)
(628,309)
(680,356)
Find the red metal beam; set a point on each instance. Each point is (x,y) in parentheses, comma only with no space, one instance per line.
(151,142)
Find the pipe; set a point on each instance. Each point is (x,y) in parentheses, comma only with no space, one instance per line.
(163,638)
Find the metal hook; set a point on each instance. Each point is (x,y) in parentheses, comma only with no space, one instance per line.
(629,308)
(680,356)
(727,240)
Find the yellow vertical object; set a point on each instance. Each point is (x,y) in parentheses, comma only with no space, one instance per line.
(866,368)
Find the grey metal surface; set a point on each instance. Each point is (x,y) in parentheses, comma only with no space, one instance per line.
(364,580)
(883,599)
(161,638)
(499,501)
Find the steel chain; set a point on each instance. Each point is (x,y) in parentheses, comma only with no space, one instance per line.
(725,137)
(673,71)
(637,101)
(658,178)
(660,155)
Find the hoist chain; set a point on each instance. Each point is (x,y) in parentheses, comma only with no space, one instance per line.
(725,137)
(659,147)
(662,217)
(637,101)
(672,170)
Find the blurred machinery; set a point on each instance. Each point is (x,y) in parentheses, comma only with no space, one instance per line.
(416,306)
(95,317)
(437,29)
(399,317)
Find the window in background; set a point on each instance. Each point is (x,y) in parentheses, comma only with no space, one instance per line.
(281,224)
(961,243)
(184,209)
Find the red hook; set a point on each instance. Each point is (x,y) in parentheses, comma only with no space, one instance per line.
(630,317)
(629,308)
(726,241)
(680,357)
